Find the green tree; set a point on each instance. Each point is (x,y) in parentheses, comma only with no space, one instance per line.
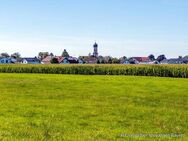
(115,61)
(4,55)
(110,61)
(180,57)
(185,56)
(51,54)
(98,61)
(54,61)
(161,58)
(42,55)
(101,60)
(16,55)
(107,59)
(65,53)
(151,57)
(123,59)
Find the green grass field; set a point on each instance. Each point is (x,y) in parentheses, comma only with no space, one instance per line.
(92,108)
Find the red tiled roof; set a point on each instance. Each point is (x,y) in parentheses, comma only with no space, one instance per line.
(47,59)
(60,58)
(142,59)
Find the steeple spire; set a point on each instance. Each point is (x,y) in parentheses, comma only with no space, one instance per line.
(95,52)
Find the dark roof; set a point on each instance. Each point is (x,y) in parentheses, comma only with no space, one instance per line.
(71,60)
(31,59)
(185,60)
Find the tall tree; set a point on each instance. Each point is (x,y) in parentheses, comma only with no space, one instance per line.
(123,59)
(180,57)
(54,61)
(16,55)
(151,57)
(161,58)
(65,53)
(110,61)
(51,54)
(115,61)
(101,60)
(107,59)
(4,55)
(42,55)
(185,56)
(98,62)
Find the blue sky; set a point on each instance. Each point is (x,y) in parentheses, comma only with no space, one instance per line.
(121,27)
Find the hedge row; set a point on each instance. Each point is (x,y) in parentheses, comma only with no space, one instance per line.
(180,71)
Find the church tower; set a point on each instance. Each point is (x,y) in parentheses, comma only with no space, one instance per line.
(95,52)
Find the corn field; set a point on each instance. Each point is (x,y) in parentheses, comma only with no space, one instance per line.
(179,71)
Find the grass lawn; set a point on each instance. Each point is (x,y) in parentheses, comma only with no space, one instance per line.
(76,108)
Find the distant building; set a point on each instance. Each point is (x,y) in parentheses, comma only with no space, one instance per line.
(59,58)
(172,61)
(69,60)
(88,59)
(47,60)
(139,60)
(91,60)
(133,61)
(95,50)
(125,62)
(153,62)
(81,61)
(34,60)
(8,60)
(185,60)
(142,59)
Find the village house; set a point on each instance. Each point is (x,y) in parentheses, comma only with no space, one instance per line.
(7,60)
(81,61)
(141,60)
(34,60)
(89,59)
(69,60)
(124,61)
(153,62)
(47,60)
(172,61)
(185,60)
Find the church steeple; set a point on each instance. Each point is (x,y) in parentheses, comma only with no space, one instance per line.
(95,52)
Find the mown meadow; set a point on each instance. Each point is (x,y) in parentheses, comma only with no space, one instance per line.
(92,107)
